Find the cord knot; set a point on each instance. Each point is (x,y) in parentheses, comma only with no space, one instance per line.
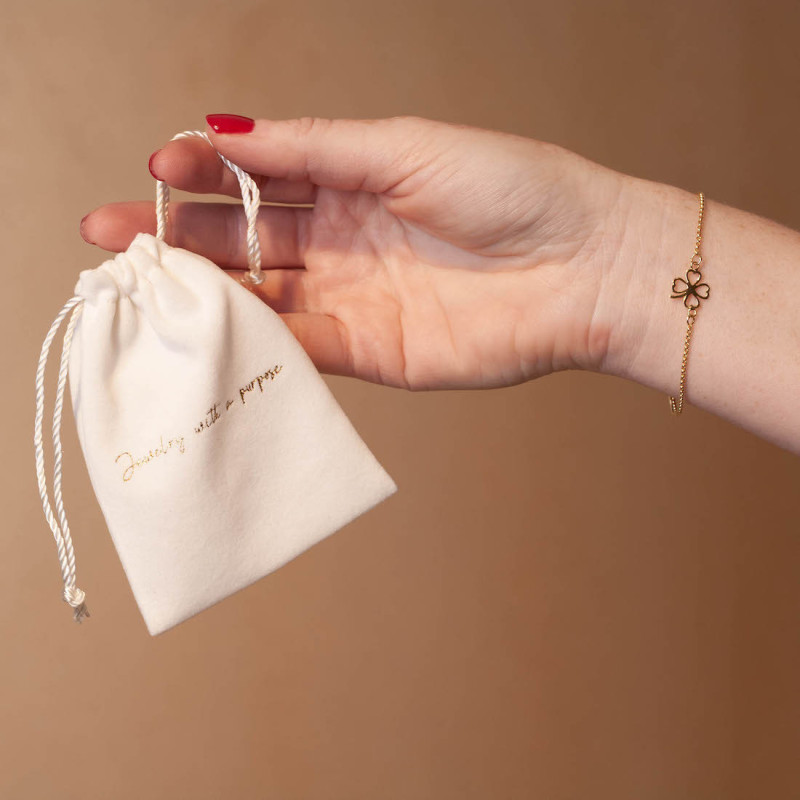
(77,599)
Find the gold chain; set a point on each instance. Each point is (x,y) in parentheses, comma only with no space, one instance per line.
(692,291)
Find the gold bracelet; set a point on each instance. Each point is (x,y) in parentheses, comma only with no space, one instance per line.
(692,292)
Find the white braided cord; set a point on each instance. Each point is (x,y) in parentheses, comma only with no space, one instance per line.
(251,198)
(60,528)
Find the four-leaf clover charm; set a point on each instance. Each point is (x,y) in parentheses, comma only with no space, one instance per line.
(690,289)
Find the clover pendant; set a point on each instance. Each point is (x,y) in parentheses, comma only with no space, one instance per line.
(690,288)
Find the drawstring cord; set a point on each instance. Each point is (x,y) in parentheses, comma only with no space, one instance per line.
(57,520)
(251,198)
(60,527)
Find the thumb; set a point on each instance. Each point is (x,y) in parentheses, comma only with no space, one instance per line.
(347,154)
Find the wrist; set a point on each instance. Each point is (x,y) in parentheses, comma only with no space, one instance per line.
(655,225)
(744,360)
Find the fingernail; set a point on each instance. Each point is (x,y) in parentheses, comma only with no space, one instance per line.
(83,229)
(150,166)
(230,123)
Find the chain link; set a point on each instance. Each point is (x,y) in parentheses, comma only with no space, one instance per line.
(693,295)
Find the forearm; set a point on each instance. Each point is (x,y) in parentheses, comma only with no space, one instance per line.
(744,358)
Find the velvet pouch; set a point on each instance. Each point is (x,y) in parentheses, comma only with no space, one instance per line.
(215,449)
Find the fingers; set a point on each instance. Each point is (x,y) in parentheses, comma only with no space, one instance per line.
(324,338)
(345,154)
(214,230)
(193,166)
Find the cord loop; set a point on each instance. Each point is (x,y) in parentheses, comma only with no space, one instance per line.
(251,198)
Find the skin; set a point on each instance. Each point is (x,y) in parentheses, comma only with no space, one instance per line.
(441,256)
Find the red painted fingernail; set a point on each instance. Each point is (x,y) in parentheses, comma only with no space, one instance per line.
(150,165)
(230,123)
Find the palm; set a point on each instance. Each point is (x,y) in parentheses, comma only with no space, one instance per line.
(424,311)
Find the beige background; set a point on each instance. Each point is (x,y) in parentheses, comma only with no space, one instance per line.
(572,595)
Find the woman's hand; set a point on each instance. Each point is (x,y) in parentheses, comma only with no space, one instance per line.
(435,255)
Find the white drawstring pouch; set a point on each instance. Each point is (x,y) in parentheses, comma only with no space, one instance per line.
(215,449)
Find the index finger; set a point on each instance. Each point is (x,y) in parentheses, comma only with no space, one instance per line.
(192,165)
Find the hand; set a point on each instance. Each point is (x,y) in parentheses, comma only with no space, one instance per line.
(435,255)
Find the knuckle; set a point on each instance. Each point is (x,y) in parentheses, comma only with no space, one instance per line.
(309,126)
(408,119)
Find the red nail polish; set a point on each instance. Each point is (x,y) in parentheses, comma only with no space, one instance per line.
(230,123)
(150,165)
